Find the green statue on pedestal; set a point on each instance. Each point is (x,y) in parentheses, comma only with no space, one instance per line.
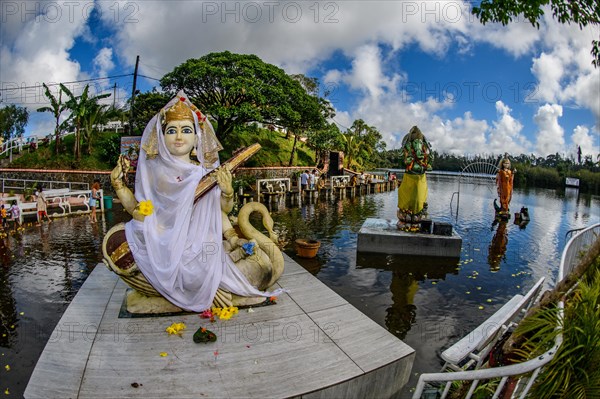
(412,193)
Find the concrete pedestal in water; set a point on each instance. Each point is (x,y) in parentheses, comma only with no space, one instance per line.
(383,236)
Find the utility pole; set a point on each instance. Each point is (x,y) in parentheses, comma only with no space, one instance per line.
(135,72)
(114,95)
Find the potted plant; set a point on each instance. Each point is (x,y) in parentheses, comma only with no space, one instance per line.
(307,248)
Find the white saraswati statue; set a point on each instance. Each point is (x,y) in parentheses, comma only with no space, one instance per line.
(179,246)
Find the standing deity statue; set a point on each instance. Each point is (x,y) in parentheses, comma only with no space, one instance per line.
(412,193)
(504,185)
(178,247)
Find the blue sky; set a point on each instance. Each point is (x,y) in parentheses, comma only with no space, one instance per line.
(472,89)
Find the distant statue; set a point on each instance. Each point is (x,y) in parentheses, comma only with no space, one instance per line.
(504,184)
(181,247)
(412,193)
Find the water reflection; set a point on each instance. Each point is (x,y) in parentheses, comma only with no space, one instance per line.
(497,249)
(406,273)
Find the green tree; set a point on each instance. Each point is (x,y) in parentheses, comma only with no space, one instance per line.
(362,142)
(581,12)
(303,111)
(145,107)
(80,107)
(13,120)
(234,89)
(325,140)
(56,108)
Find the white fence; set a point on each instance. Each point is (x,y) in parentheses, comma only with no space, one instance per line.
(61,202)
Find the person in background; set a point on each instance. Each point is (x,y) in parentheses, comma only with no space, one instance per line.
(94,198)
(311,180)
(4,215)
(315,179)
(15,215)
(42,206)
(304,177)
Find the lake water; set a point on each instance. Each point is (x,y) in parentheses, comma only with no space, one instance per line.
(427,302)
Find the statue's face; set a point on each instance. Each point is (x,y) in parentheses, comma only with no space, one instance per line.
(180,138)
(506,164)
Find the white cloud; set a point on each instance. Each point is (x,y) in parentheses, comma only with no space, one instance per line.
(549,70)
(366,73)
(550,136)
(518,38)
(505,135)
(294,35)
(103,62)
(564,70)
(581,137)
(36,48)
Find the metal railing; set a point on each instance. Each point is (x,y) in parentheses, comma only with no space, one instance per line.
(570,256)
(20,185)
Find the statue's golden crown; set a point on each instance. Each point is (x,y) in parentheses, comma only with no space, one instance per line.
(179,111)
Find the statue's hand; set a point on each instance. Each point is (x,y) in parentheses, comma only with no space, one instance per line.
(117,172)
(223,176)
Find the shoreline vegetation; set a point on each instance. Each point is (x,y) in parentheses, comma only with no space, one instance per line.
(549,172)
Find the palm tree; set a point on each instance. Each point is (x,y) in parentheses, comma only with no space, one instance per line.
(80,106)
(56,107)
(96,114)
(352,146)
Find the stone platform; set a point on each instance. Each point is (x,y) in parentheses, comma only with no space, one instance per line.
(382,236)
(311,344)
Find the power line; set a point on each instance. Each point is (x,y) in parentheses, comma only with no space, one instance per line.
(337,123)
(66,83)
(148,77)
(154,67)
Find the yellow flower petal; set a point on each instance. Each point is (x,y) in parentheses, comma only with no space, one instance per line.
(164,354)
(468,292)
(6,391)
(489,300)
(7,367)
(480,307)
(433,282)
